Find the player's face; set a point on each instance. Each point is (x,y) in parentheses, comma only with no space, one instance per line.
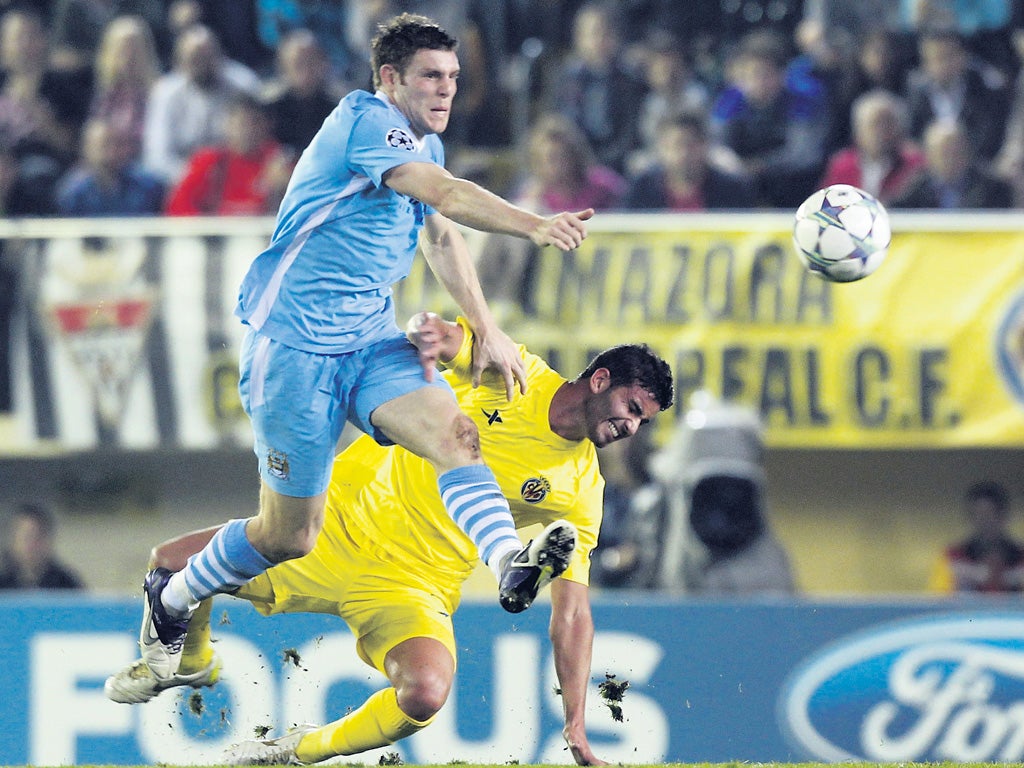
(615,413)
(424,92)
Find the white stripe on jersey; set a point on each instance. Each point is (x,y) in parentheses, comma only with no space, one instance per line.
(269,296)
(258,371)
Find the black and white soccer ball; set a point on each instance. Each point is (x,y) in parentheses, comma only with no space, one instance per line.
(841,233)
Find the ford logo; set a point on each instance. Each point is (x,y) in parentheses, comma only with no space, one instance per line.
(947,688)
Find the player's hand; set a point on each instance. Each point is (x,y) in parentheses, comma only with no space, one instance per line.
(494,350)
(426,331)
(580,748)
(563,230)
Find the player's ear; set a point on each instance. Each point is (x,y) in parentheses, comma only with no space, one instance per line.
(388,74)
(600,380)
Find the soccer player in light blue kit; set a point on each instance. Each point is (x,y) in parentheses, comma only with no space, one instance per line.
(323,346)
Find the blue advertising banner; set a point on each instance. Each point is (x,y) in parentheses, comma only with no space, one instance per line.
(708,682)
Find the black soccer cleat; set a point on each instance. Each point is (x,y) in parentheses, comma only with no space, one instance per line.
(527,572)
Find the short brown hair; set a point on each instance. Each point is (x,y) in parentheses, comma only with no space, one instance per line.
(400,37)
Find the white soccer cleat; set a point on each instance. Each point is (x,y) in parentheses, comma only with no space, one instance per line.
(279,751)
(535,565)
(136,683)
(162,636)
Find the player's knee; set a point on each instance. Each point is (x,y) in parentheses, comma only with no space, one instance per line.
(465,439)
(169,555)
(422,697)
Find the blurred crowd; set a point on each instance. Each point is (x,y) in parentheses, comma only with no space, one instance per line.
(200,107)
(187,107)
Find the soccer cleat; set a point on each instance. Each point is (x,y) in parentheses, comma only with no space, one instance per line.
(136,683)
(528,571)
(279,751)
(162,636)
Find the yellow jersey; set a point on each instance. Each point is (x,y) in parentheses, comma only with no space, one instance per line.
(385,501)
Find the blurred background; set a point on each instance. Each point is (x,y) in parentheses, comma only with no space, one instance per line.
(144,147)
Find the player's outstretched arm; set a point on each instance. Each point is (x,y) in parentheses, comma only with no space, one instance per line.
(572,640)
(471,205)
(448,256)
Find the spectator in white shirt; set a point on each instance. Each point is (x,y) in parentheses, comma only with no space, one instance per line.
(188,106)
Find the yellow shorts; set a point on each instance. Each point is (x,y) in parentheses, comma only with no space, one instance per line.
(382,602)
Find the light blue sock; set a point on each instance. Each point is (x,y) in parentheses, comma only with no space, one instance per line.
(475,502)
(223,565)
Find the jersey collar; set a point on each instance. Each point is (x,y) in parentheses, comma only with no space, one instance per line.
(420,142)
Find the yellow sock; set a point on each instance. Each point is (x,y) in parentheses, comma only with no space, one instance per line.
(197,651)
(377,723)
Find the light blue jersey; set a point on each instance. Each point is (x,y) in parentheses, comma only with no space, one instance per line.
(342,238)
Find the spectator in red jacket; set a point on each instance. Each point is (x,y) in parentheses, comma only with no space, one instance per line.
(881,160)
(246,175)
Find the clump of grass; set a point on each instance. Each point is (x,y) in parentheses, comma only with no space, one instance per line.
(612,692)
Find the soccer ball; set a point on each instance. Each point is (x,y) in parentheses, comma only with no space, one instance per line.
(841,233)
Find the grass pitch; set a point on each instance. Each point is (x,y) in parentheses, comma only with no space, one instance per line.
(851,764)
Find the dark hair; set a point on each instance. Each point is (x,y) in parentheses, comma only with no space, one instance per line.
(42,516)
(765,45)
(399,38)
(631,364)
(989,490)
(691,119)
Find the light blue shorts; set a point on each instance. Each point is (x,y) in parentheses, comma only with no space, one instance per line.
(298,403)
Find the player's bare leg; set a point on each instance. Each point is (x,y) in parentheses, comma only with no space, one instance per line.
(285,528)
(420,669)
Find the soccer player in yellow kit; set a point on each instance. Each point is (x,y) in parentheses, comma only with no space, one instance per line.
(391,562)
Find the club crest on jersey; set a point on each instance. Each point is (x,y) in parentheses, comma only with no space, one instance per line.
(277,464)
(535,490)
(399,139)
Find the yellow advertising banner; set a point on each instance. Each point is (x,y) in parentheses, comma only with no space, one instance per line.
(928,352)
